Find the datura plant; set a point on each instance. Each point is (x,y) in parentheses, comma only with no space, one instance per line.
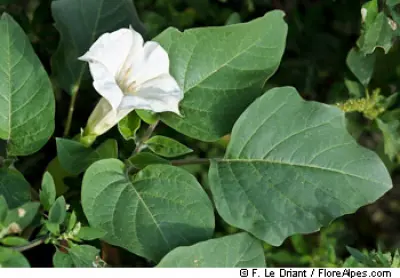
(120,179)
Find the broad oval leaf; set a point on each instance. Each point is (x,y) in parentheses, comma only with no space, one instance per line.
(83,255)
(62,260)
(14,241)
(48,192)
(221,71)
(58,211)
(80,23)
(166,146)
(362,66)
(12,258)
(239,250)
(14,187)
(161,208)
(23,216)
(27,104)
(291,167)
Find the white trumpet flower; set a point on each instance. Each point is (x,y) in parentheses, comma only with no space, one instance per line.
(129,74)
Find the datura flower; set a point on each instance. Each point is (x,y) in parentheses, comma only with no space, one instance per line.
(129,74)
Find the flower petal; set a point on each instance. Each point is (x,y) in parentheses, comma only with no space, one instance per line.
(153,62)
(161,94)
(103,118)
(112,49)
(105,84)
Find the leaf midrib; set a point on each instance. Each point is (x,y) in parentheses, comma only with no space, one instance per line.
(311,166)
(223,64)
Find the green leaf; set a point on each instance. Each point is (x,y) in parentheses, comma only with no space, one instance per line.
(89,233)
(160,208)
(48,193)
(3,209)
(11,258)
(371,11)
(71,221)
(53,228)
(143,159)
(360,257)
(394,12)
(147,116)
(129,125)
(392,3)
(167,38)
(356,90)
(80,23)
(239,250)
(379,34)
(361,65)
(14,188)
(391,139)
(396,259)
(58,211)
(83,255)
(26,96)
(76,158)
(221,71)
(234,18)
(291,167)
(59,174)
(14,241)
(61,259)
(23,215)
(167,147)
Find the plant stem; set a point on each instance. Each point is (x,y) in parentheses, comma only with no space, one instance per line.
(146,136)
(31,244)
(192,161)
(70,112)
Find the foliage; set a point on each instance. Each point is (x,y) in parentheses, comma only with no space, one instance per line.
(285,152)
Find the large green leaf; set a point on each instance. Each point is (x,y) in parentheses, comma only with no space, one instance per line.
(221,71)
(75,158)
(26,96)
(80,23)
(12,258)
(23,215)
(161,208)
(291,167)
(14,187)
(240,250)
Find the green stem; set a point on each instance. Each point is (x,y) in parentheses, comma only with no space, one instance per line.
(192,161)
(31,244)
(145,137)
(70,112)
